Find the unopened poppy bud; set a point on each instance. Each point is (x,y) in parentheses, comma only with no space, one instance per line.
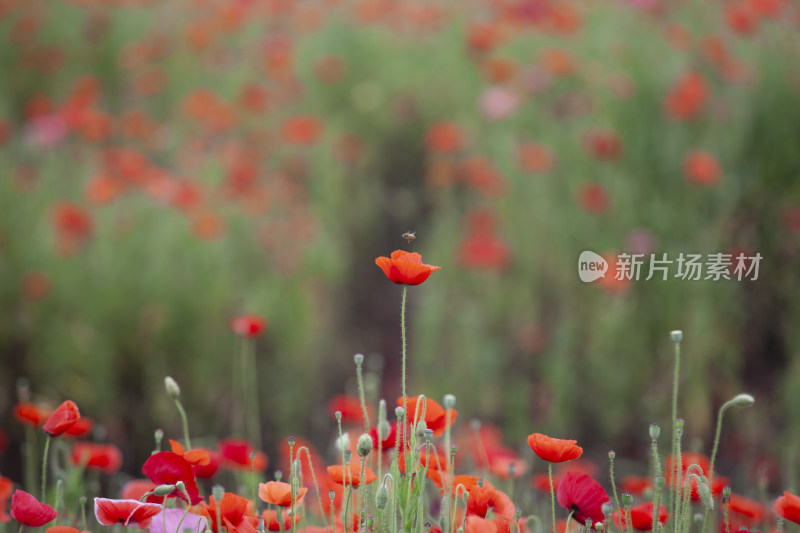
(399,412)
(704,492)
(82,500)
(427,433)
(698,518)
(676,335)
(449,401)
(627,499)
(475,423)
(364,445)
(453,450)
(338,415)
(742,400)
(343,442)
(726,494)
(347,455)
(589,523)
(421,427)
(611,455)
(512,468)
(358,358)
(608,508)
(382,497)
(172,387)
(158,435)
(332,494)
(278,475)
(679,423)
(480,483)
(598,526)
(218,491)
(655,431)
(164,490)
(291,441)
(296,467)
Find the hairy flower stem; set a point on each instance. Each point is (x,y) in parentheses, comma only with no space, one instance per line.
(362,397)
(552,495)
(611,475)
(44,467)
(675,468)
(314,478)
(403,367)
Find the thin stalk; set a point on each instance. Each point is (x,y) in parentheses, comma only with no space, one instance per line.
(44,466)
(553,495)
(675,380)
(403,342)
(185,422)
(611,457)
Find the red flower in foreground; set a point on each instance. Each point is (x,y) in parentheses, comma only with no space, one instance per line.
(788,507)
(481,499)
(405,268)
(103,457)
(641,517)
(582,495)
(248,325)
(234,512)
(167,468)
(62,419)
(125,512)
(27,510)
(554,450)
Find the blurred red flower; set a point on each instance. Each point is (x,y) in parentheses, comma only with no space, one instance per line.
(271,522)
(687,97)
(641,517)
(350,408)
(126,512)
(351,476)
(235,455)
(603,144)
(482,499)
(62,419)
(788,507)
(103,457)
(30,414)
(248,325)
(582,495)
(280,494)
(302,130)
(405,268)
(701,167)
(593,198)
(81,428)
(749,512)
(435,415)
(6,488)
(554,450)
(27,510)
(444,137)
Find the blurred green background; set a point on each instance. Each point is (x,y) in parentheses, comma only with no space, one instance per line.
(169,165)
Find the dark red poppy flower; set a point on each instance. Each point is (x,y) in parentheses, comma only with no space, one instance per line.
(62,419)
(482,499)
(641,517)
(554,450)
(167,468)
(749,512)
(125,512)
(248,325)
(103,457)
(234,512)
(788,507)
(405,268)
(30,414)
(583,496)
(235,455)
(390,440)
(27,510)
(351,476)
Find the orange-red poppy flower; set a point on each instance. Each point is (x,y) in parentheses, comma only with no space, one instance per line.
(436,418)
(81,428)
(235,455)
(351,476)
(750,512)
(481,499)
(405,268)
(788,507)
(195,456)
(554,450)
(280,494)
(30,414)
(103,457)
(29,511)
(636,485)
(62,419)
(701,167)
(64,529)
(125,512)
(6,488)
(271,520)
(235,513)
(641,517)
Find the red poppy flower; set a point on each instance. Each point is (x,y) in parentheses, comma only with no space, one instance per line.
(435,415)
(6,487)
(248,325)
(30,414)
(701,168)
(502,466)
(582,495)
(788,507)
(280,494)
(301,130)
(350,408)
(389,442)
(593,198)
(750,512)
(554,450)
(27,510)
(636,485)
(235,512)
(482,499)
(351,476)
(603,144)
(81,428)
(125,512)
(688,97)
(63,529)
(103,457)
(167,468)
(444,137)
(136,488)
(405,268)
(62,419)
(235,455)
(271,520)
(641,517)
(195,457)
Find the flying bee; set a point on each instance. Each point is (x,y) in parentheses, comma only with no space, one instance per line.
(409,236)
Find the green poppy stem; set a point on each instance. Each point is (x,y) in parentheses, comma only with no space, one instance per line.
(44,467)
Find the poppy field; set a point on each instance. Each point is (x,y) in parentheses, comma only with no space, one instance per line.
(561,238)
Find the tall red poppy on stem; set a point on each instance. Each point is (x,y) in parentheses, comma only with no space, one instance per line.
(62,419)
(405,268)
(554,450)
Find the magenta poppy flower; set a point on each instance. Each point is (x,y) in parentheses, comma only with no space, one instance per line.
(27,510)
(583,496)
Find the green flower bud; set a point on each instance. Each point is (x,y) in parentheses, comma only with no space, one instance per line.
(399,413)
(358,358)
(164,490)
(364,445)
(627,499)
(676,335)
(449,401)
(382,497)
(742,400)
(173,390)
(655,431)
